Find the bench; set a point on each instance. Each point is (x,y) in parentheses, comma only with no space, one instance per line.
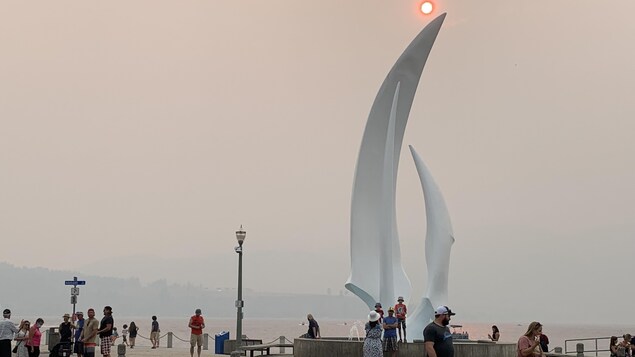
(262,348)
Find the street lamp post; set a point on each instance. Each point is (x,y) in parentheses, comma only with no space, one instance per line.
(240,237)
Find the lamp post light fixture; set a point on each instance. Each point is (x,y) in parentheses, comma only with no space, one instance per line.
(240,237)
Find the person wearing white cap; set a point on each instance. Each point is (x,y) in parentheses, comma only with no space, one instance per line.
(437,337)
(372,343)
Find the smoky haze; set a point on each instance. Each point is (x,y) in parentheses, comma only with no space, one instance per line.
(136,137)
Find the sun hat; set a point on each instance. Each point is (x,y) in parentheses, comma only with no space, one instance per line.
(67,315)
(79,313)
(391,309)
(378,304)
(443,310)
(373,316)
(400,298)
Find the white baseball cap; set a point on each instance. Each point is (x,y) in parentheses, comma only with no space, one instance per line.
(443,310)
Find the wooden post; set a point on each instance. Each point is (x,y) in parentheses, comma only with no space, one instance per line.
(282,340)
(169,339)
(206,341)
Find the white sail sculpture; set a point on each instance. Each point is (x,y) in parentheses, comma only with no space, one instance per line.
(439,240)
(376,271)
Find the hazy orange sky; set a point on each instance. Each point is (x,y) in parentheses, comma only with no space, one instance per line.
(137,136)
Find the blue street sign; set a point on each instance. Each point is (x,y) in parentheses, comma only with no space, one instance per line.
(75,282)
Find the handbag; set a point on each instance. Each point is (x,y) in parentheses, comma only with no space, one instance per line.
(15,349)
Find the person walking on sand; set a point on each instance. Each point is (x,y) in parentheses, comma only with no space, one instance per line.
(154,332)
(78,347)
(105,331)
(7,331)
(529,344)
(89,334)
(400,313)
(133,329)
(124,334)
(197,324)
(437,338)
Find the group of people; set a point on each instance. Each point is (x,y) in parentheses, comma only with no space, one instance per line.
(624,348)
(390,327)
(82,335)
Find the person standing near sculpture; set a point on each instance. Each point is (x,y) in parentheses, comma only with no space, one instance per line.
(380,311)
(390,332)
(197,324)
(66,330)
(89,334)
(372,342)
(154,332)
(529,344)
(7,331)
(437,338)
(400,313)
(78,347)
(105,331)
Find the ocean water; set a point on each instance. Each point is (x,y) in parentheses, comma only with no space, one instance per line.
(271,329)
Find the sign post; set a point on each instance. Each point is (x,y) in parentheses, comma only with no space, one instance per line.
(74,291)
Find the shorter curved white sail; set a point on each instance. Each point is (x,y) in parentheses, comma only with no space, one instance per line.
(439,240)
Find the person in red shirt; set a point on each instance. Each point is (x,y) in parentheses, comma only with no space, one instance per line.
(197,324)
(400,313)
(380,312)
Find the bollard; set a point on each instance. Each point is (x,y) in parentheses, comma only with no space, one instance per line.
(282,341)
(206,341)
(579,349)
(169,339)
(557,350)
(121,350)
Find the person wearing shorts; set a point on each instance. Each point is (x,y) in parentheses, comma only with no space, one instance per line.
(154,333)
(105,331)
(197,324)
(88,335)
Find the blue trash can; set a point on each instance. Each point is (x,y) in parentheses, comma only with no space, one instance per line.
(219,340)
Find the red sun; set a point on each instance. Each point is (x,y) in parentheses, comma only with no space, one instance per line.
(427,7)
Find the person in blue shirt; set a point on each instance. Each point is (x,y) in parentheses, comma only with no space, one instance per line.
(390,325)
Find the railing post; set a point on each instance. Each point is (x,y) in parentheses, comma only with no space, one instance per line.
(170,339)
(558,350)
(282,341)
(579,349)
(206,341)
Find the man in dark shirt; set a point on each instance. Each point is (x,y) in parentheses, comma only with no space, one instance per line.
(154,333)
(66,330)
(105,331)
(437,338)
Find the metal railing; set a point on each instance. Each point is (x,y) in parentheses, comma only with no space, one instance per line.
(593,341)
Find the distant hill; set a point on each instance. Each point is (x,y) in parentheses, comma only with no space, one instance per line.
(40,291)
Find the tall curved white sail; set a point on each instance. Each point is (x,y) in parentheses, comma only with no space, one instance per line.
(439,240)
(376,270)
